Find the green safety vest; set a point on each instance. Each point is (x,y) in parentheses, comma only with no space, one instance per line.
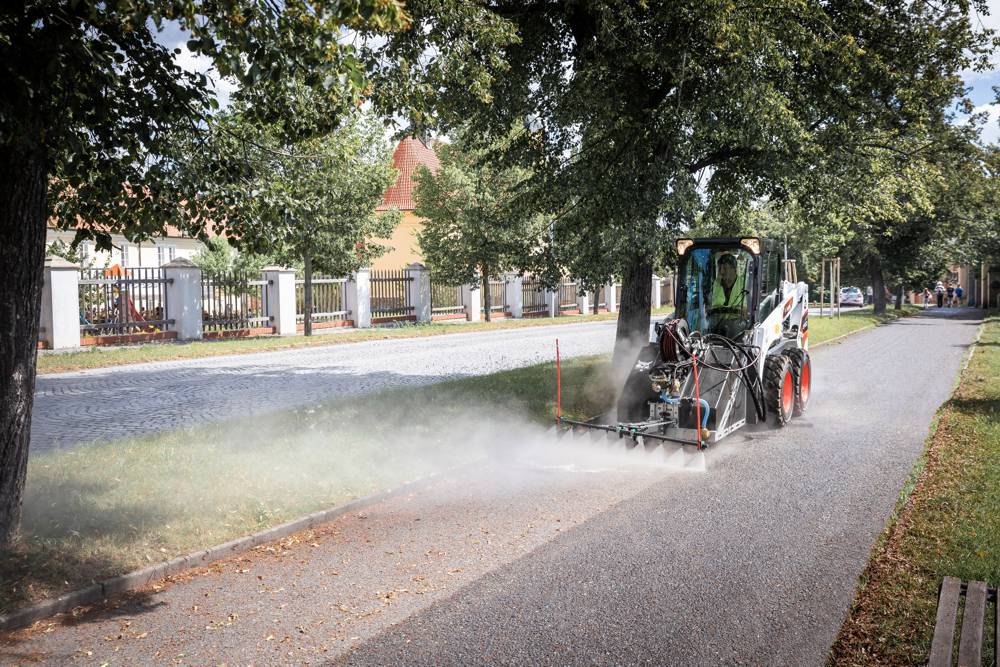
(734,307)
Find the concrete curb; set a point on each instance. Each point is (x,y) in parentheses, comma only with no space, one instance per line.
(143,578)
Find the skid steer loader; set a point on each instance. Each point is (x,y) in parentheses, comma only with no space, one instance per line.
(734,352)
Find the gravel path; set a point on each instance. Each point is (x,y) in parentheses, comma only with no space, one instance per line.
(594,562)
(128,401)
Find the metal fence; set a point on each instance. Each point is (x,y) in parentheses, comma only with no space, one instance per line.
(233,302)
(568,293)
(133,302)
(391,293)
(532,297)
(328,302)
(446,299)
(498,297)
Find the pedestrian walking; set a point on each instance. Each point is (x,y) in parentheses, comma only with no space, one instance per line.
(950,295)
(939,293)
(959,293)
(927,297)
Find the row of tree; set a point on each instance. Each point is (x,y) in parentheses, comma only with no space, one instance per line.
(598,129)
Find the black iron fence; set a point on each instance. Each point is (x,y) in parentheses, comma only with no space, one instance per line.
(498,297)
(233,302)
(568,293)
(391,293)
(328,303)
(133,301)
(532,296)
(446,299)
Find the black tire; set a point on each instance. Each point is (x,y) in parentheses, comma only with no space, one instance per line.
(779,388)
(801,370)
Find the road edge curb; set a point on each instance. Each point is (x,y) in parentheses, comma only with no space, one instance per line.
(142,578)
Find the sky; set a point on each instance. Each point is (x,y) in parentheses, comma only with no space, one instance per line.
(980,83)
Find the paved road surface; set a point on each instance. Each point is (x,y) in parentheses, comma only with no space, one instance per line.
(114,403)
(594,562)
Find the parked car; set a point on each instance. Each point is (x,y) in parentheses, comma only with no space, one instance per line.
(851,296)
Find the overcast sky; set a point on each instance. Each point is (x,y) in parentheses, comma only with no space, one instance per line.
(981,83)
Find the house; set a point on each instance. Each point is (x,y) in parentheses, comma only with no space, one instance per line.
(129,253)
(410,153)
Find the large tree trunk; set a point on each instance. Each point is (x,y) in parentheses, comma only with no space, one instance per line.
(878,283)
(487,297)
(307,295)
(633,311)
(899,298)
(22,261)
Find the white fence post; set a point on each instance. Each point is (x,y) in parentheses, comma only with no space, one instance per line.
(281,299)
(515,295)
(472,298)
(582,300)
(552,301)
(358,298)
(654,300)
(183,296)
(60,317)
(611,297)
(420,291)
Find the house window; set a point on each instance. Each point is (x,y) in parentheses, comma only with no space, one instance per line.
(165,253)
(124,254)
(85,251)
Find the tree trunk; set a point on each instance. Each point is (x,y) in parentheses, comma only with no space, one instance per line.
(899,299)
(22,261)
(487,297)
(307,296)
(878,283)
(633,311)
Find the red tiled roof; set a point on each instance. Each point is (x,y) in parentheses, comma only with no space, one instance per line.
(409,153)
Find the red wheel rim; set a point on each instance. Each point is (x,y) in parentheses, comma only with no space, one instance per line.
(804,383)
(787,393)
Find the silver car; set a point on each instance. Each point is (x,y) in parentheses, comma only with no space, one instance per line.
(851,296)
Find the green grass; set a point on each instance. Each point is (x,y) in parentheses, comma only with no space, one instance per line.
(97,357)
(108,508)
(825,328)
(947,523)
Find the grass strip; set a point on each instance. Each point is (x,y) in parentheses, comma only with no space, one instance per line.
(98,357)
(105,509)
(947,522)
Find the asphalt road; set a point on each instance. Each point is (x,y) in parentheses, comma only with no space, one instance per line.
(129,401)
(581,561)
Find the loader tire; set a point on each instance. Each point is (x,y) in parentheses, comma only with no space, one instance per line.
(779,388)
(802,374)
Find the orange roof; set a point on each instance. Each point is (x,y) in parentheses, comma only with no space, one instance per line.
(409,153)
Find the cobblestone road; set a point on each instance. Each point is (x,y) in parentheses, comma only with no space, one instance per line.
(114,403)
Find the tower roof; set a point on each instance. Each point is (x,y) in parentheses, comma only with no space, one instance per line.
(409,153)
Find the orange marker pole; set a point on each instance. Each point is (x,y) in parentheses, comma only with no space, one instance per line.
(558,386)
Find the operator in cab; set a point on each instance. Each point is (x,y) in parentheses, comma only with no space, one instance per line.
(728,306)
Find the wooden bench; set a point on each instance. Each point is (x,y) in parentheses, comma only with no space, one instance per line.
(970,644)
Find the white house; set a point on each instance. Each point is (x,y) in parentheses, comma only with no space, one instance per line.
(152,253)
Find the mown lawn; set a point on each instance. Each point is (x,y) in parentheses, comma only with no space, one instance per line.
(108,508)
(98,357)
(947,523)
